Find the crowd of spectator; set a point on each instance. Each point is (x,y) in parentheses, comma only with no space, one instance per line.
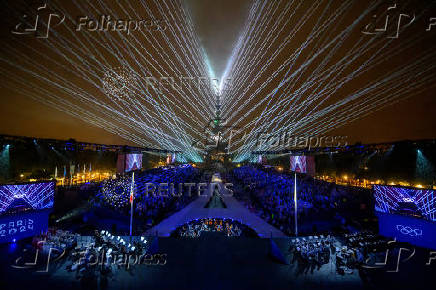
(271,195)
(228,227)
(149,206)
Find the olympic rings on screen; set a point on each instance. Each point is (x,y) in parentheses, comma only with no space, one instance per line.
(406,230)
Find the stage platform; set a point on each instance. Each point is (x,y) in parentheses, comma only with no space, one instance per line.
(196,210)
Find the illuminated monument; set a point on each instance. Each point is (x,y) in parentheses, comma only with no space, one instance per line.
(216,142)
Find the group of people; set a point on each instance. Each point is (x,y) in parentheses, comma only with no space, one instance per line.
(348,259)
(152,208)
(93,259)
(358,249)
(102,255)
(311,252)
(62,240)
(271,195)
(348,252)
(226,226)
(365,241)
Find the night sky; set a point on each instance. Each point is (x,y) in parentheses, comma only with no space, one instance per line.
(33,71)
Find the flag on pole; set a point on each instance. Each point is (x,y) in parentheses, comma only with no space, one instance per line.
(56,172)
(131,201)
(132,187)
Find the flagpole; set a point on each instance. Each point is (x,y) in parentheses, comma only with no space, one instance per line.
(295,203)
(131,202)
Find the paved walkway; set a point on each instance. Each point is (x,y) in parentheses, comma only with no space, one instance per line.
(235,210)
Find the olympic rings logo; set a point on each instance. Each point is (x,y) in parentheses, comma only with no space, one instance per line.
(406,230)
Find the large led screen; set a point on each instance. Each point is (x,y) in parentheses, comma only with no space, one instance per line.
(419,232)
(133,162)
(16,197)
(419,203)
(303,164)
(129,162)
(22,225)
